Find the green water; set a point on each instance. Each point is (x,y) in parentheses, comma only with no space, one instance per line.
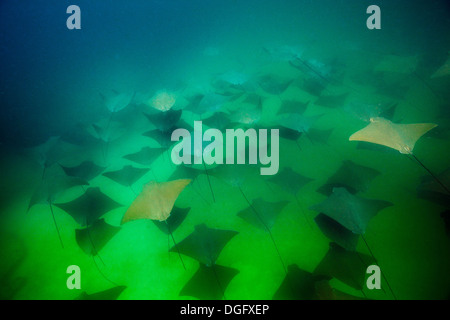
(408,239)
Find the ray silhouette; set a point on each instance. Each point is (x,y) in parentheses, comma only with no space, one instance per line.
(297,285)
(209,102)
(89,207)
(164,121)
(205,244)
(87,170)
(109,294)
(346,266)
(146,156)
(293,106)
(324,291)
(53,184)
(401,137)
(352,212)
(126,176)
(430,190)
(291,182)
(209,283)
(263,214)
(332,101)
(348,213)
(274,85)
(354,177)
(337,233)
(95,236)
(443,70)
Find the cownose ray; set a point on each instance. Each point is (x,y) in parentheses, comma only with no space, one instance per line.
(351,211)
(209,283)
(345,214)
(126,176)
(346,266)
(235,175)
(89,207)
(156,202)
(248,116)
(274,85)
(118,101)
(401,137)
(164,137)
(263,214)
(291,182)
(198,163)
(332,101)
(443,70)
(352,176)
(164,120)
(52,185)
(366,111)
(324,291)
(176,217)
(209,102)
(430,190)
(205,244)
(298,122)
(298,284)
(93,238)
(87,170)
(183,171)
(146,156)
(163,100)
(50,152)
(293,106)
(109,294)
(107,132)
(317,70)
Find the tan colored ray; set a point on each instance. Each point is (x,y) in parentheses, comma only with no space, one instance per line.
(156,200)
(401,137)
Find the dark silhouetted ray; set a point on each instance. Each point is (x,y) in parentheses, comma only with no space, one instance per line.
(352,212)
(94,237)
(332,101)
(205,244)
(126,176)
(263,214)
(430,189)
(336,232)
(209,283)
(164,121)
(110,294)
(297,285)
(274,85)
(346,266)
(177,216)
(54,183)
(290,180)
(267,213)
(293,106)
(145,156)
(87,170)
(89,207)
(354,177)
